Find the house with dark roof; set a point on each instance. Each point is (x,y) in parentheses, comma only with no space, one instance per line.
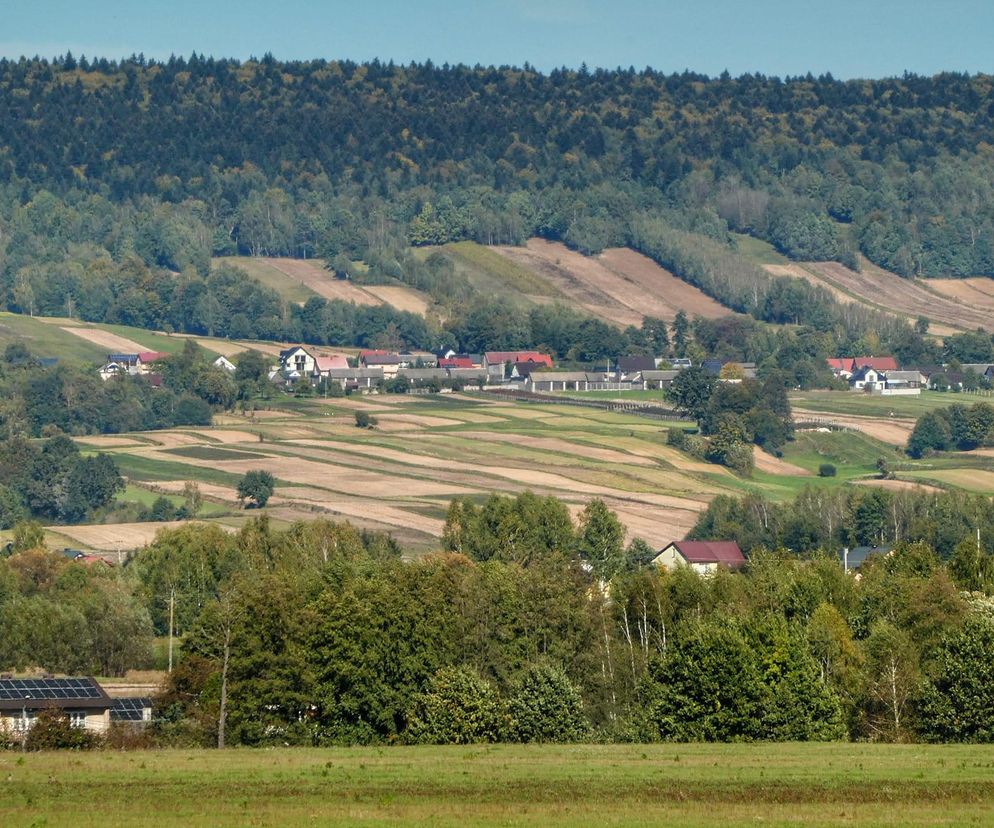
(704,557)
(296,362)
(628,365)
(853,559)
(82,699)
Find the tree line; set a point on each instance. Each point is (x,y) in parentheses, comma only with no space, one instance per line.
(527,626)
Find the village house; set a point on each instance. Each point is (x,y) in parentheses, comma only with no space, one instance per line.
(354,378)
(496,362)
(225,364)
(389,364)
(887,383)
(657,379)
(845,367)
(629,365)
(296,362)
(324,364)
(453,360)
(546,381)
(704,557)
(83,700)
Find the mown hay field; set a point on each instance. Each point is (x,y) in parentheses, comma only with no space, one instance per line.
(672,784)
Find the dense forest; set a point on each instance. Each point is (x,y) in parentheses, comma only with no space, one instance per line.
(528,627)
(120,180)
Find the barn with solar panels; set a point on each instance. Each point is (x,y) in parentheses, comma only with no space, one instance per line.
(83,700)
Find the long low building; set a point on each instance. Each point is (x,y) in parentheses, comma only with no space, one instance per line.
(82,699)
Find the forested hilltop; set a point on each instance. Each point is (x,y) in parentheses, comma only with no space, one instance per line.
(300,158)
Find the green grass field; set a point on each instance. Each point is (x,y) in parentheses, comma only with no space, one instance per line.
(47,340)
(487,271)
(290,289)
(871,405)
(674,784)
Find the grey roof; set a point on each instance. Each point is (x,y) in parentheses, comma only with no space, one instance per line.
(35,694)
(910,376)
(858,554)
(385,359)
(667,375)
(468,373)
(423,373)
(976,367)
(354,373)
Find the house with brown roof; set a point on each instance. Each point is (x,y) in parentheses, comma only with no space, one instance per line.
(704,557)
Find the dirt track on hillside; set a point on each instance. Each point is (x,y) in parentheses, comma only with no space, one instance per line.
(112,342)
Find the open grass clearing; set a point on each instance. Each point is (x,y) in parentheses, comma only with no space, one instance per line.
(874,405)
(292,290)
(973,480)
(44,340)
(688,785)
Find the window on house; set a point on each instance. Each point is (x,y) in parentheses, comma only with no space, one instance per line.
(77,718)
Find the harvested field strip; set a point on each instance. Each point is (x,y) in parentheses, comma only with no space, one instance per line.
(209,453)
(558,445)
(797,272)
(905,297)
(401,298)
(661,285)
(112,537)
(112,342)
(973,480)
(774,465)
(586,282)
(339,478)
(893,431)
(897,485)
(977,292)
(312,274)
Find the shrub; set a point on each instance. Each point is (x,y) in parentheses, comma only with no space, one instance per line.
(457,707)
(547,707)
(363,419)
(52,730)
(826,470)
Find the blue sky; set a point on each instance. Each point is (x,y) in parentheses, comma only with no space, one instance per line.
(850,38)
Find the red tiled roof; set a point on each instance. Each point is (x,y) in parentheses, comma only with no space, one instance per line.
(887,363)
(724,552)
(327,363)
(841,364)
(455,362)
(151,356)
(493,357)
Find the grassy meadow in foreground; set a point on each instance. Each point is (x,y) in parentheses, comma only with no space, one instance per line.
(818,784)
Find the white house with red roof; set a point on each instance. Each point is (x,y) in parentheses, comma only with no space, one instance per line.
(704,557)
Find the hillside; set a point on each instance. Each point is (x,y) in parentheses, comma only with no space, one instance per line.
(619,285)
(297,280)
